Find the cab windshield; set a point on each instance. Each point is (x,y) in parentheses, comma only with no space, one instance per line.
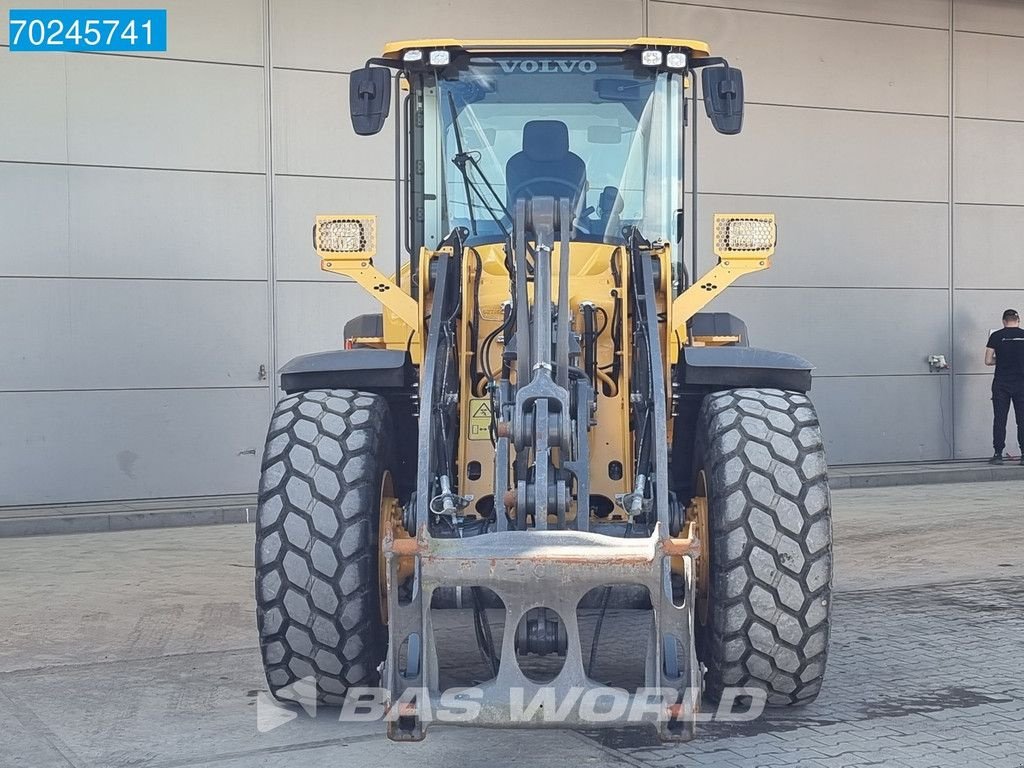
(601,130)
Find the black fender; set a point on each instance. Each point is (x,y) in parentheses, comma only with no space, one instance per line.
(372,370)
(730,367)
(703,370)
(385,372)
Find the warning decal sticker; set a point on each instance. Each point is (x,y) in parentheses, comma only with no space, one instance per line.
(480,418)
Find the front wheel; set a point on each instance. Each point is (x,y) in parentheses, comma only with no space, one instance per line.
(325,466)
(765,591)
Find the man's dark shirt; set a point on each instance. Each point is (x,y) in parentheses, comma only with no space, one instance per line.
(1008,344)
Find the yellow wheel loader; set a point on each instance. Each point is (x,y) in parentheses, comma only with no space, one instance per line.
(541,428)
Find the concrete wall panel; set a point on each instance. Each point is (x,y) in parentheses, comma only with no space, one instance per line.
(119,334)
(33,87)
(33,219)
(842,243)
(845,332)
(791,59)
(996,17)
(885,418)
(95,446)
(989,162)
(165,114)
(313,133)
(988,76)
(85,221)
(988,246)
(829,153)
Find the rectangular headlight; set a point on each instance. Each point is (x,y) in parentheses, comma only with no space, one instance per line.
(741,233)
(440,58)
(354,234)
(652,57)
(676,60)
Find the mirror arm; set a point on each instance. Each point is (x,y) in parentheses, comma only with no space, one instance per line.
(709,61)
(389,63)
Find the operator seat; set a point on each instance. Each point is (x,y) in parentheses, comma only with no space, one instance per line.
(545,166)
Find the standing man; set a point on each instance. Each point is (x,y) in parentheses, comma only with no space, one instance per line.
(1005,350)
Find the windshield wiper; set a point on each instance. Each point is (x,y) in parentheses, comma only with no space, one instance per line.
(463,159)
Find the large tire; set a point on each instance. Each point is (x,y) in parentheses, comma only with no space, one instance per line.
(770,571)
(317,600)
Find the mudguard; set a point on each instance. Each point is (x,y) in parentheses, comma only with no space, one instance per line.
(735,366)
(373,370)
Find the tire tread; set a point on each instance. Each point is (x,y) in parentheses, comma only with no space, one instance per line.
(771,544)
(316,541)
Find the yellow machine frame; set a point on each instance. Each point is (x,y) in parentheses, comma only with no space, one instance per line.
(405,324)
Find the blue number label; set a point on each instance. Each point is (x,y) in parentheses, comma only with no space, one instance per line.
(88,30)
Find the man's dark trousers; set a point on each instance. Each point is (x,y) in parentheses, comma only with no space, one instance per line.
(1003,393)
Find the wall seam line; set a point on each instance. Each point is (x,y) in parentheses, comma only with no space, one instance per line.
(119,167)
(141,57)
(981,119)
(825,197)
(67,156)
(951,159)
(268,121)
(181,388)
(1006,35)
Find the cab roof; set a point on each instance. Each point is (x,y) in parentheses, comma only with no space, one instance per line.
(696,47)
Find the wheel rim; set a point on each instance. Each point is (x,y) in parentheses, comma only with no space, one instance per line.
(390,520)
(697,516)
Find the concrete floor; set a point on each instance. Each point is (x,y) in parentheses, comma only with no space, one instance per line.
(138,648)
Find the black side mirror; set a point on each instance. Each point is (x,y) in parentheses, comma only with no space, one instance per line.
(369,98)
(723,98)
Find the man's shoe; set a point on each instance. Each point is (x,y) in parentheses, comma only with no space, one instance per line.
(998,459)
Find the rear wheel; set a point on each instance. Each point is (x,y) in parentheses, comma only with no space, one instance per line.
(325,467)
(764,602)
